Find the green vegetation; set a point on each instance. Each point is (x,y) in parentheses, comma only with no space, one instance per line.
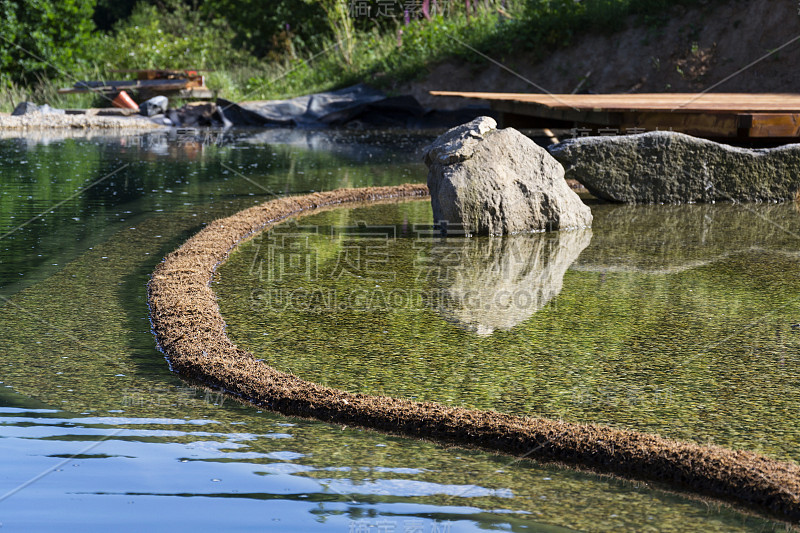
(42,38)
(259,50)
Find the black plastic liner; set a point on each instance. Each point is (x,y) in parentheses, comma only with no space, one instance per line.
(359,106)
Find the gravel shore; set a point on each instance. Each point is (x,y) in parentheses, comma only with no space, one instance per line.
(42,121)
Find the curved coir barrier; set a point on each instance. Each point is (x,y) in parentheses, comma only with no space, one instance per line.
(190,330)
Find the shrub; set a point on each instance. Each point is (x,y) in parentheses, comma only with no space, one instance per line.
(173,36)
(42,37)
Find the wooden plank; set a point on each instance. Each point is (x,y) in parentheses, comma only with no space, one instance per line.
(764,115)
(161,74)
(135,85)
(194,93)
(722,102)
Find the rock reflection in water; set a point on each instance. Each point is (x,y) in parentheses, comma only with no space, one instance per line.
(489,283)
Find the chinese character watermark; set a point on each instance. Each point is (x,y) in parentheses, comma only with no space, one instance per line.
(397,526)
(408,9)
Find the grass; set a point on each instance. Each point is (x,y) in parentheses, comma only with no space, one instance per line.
(383,57)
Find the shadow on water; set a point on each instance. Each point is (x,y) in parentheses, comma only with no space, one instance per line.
(132,290)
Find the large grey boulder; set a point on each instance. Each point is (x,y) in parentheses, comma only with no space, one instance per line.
(669,167)
(498,182)
(487,284)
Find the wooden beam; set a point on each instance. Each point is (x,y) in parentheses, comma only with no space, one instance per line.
(717,115)
(774,125)
(567,115)
(697,124)
(673,102)
(127,85)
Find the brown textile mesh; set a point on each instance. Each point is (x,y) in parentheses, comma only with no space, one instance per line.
(191,331)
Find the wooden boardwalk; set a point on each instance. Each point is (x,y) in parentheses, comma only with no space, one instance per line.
(712,115)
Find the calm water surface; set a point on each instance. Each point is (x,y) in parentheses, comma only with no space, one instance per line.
(674,320)
(95,430)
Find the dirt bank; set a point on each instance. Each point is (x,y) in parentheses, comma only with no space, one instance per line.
(694,50)
(191,331)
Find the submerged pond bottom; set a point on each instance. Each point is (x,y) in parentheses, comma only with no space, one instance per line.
(191,331)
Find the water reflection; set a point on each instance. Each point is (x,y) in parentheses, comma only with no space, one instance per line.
(495,283)
(42,176)
(657,352)
(77,339)
(664,239)
(302,476)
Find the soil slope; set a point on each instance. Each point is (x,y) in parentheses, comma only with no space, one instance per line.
(695,50)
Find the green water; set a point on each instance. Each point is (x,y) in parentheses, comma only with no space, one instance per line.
(672,320)
(95,429)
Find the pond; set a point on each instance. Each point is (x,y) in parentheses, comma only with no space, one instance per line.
(670,320)
(674,320)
